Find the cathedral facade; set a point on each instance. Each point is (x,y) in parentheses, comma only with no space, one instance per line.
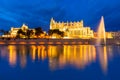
(73,29)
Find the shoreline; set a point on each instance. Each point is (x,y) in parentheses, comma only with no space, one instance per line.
(57,41)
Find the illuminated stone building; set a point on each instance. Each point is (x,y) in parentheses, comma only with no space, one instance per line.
(72,29)
(13,31)
(109,35)
(116,35)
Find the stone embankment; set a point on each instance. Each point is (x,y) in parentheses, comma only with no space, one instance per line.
(58,41)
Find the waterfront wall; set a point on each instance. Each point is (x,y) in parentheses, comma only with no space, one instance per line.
(58,41)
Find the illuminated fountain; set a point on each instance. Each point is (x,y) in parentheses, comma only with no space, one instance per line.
(101,35)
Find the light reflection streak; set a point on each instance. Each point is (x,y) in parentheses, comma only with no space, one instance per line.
(22,51)
(77,56)
(105,53)
(33,52)
(12,55)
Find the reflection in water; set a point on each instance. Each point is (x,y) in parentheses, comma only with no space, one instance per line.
(78,56)
(103,57)
(60,56)
(12,55)
(22,51)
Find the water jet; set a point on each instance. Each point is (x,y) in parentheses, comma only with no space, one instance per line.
(101,34)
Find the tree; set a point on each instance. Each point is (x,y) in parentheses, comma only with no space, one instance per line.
(20,32)
(56,31)
(50,32)
(38,31)
(29,33)
(61,33)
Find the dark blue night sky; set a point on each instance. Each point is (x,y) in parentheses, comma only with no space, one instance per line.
(36,13)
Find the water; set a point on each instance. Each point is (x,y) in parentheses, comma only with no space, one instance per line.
(101,39)
(60,62)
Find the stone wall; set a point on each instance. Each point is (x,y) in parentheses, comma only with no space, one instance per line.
(58,41)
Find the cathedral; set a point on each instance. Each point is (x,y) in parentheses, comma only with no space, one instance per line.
(73,29)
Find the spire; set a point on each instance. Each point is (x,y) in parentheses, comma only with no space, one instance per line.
(24,24)
(82,23)
(67,23)
(52,19)
(52,22)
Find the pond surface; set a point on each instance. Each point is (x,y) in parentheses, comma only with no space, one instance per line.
(59,62)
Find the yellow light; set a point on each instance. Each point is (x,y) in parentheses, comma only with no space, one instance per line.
(12,42)
(2,42)
(41,42)
(12,55)
(33,52)
(58,43)
(66,43)
(22,42)
(50,42)
(32,42)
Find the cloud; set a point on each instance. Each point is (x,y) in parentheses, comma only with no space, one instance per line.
(39,12)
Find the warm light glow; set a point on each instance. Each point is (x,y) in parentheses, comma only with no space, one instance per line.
(66,43)
(23,60)
(72,29)
(33,52)
(101,32)
(12,55)
(76,55)
(58,43)
(32,42)
(59,56)
(41,42)
(50,42)
(22,43)
(23,51)
(12,42)
(2,42)
(103,56)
